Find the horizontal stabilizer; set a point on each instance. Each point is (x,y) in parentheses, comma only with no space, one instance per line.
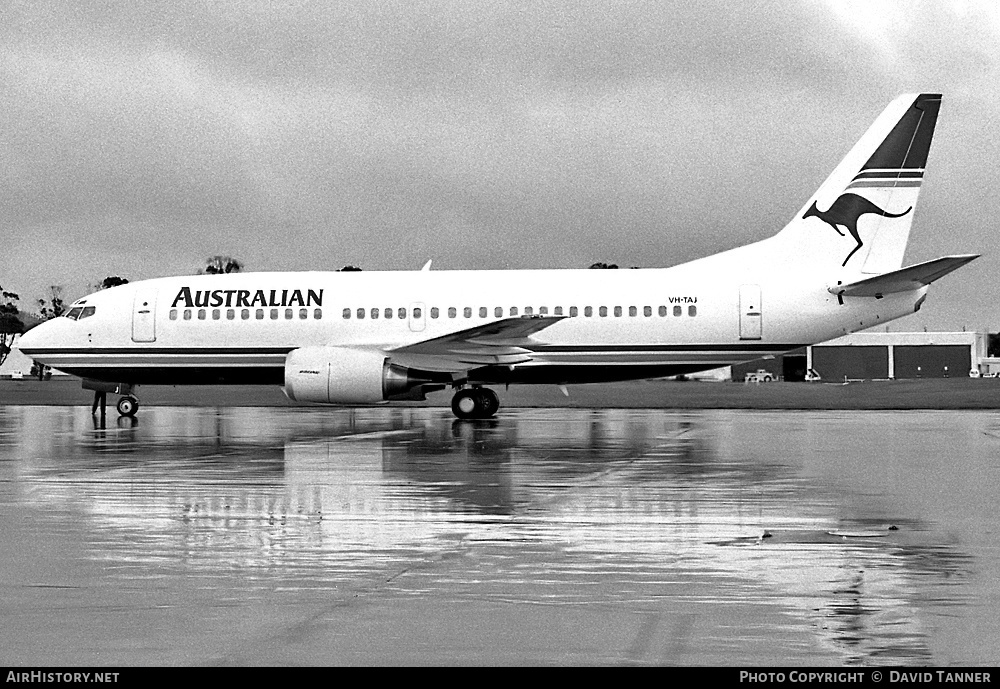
(904,279)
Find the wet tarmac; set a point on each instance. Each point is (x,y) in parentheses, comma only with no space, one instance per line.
(245,536)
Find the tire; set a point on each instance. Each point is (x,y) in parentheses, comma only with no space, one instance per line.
(466,404)
(128,406)
(490,402)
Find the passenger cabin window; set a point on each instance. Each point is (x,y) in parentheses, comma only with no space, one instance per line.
(542,310)
(401,313)
(435,312)
(647,311)
(632,311)
(347,313)
(618,312)
(417,313)
(692,310)
(467,312)
(588,311)
(513,310)
(388,313)
(573,311)
(528,311)
(557,311)
(244,314)
(483,312)
(663,311)
(677,311)
(498,312)
(452,312)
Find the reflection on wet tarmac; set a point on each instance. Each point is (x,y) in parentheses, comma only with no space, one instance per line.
(709,535)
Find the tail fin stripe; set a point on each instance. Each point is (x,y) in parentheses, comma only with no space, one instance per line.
(894,174)
(882,183)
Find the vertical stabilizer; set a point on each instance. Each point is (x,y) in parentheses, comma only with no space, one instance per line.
(859,219)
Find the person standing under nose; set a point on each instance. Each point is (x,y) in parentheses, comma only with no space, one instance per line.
(100,397)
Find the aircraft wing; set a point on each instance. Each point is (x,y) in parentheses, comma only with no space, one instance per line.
(904,279)
(498,343)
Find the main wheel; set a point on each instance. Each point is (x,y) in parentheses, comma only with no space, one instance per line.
(490,402)
(466,404)
(128,406)
(475,403)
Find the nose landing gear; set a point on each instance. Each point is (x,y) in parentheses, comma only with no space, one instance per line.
(128,406)
(475,403)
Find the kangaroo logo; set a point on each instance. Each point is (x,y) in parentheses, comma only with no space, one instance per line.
(845,211)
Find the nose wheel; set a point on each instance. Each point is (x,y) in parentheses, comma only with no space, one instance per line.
(128,406)
(475,403)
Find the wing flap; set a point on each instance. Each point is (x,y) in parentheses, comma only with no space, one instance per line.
(905,279)
(500,343)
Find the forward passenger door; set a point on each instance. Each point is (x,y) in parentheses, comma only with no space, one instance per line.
(750,312)
(144,316)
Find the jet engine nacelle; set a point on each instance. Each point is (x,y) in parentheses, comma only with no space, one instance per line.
(344,375)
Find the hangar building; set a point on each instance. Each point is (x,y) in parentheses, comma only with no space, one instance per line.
(879,355)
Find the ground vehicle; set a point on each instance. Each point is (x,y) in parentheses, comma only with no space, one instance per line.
(40,371)
(762,375)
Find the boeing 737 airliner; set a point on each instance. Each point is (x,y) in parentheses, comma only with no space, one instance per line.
(355,338)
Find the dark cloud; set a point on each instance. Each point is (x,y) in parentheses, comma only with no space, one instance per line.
(482,134)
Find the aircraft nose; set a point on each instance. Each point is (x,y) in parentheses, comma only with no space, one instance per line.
(36,338)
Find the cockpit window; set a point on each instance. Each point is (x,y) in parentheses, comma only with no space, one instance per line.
(78,312)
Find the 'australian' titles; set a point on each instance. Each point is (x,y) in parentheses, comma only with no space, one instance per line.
(247,297)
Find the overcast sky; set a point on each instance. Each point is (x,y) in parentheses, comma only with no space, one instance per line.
(139,137)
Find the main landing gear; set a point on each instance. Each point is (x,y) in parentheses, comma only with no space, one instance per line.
(475,403)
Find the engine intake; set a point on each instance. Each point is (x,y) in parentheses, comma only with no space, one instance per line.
(344,375)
